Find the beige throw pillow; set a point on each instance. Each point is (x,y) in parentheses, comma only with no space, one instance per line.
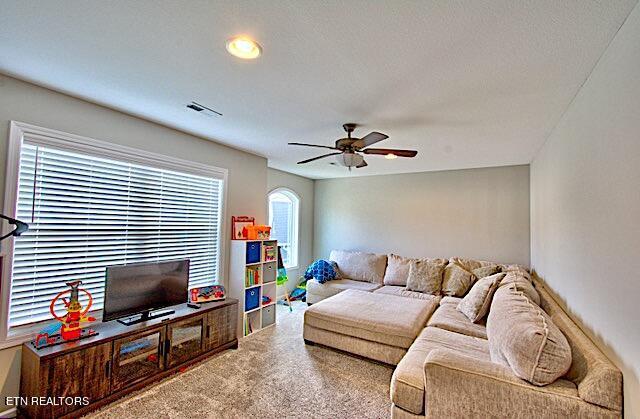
(488,270)
(457,280)
(475,305)
(397,270)
(522,336)
(425,275)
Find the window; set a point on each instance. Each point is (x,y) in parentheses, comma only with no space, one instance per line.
(283,219)
(87,211)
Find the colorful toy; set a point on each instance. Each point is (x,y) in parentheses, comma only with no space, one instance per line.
(71,329)
(68,327)
(206,294)
(252,232)
(282,278)
(266,300)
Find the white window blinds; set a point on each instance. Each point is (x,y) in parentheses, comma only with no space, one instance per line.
(86,213)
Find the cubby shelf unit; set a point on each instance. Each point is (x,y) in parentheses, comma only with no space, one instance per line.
(253,273)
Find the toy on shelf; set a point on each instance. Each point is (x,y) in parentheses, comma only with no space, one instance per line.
(266,300)
(69,326)
(207,294)
(270,252)
(239,224)
(253,232)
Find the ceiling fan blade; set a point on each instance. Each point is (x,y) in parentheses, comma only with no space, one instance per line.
(315,145)
(318,158)
(370,139)
(363,164)
(385,151)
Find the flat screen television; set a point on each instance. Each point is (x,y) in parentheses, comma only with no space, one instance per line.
(143,287)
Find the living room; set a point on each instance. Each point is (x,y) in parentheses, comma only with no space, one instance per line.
(462,182)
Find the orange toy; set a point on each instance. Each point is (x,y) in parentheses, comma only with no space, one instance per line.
(70,328)
(256,232)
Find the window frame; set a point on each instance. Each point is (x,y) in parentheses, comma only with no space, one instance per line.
(296,202)
(18,132)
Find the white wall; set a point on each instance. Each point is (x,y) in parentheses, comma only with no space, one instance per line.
(476,213)
(303,187)
(585,207)
(247,186)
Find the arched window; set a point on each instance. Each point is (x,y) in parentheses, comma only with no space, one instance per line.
(284,207)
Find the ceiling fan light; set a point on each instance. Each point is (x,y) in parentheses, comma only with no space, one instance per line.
(349,159)
(390,156)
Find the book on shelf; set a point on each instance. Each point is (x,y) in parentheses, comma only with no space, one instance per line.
(252,277)
(270,252)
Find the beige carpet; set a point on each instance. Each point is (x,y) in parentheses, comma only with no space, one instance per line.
(272,374)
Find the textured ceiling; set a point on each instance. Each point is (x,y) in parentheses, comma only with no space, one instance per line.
(467,83)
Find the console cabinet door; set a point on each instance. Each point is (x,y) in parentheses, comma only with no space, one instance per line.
(185,340)
(137,357)
(221,326)
(79,374)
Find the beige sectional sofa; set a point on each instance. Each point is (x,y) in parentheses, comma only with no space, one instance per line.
(443,361)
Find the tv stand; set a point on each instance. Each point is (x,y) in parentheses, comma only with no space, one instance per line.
(147,315)
(122,359)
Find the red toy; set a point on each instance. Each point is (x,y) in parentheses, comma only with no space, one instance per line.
(70,328)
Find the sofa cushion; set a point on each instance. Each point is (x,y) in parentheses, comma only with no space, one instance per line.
(448,317)
(425,275)
(407,382)
(447,299)
(522,336)
(331,288)
(397,270)
(403,292)
(457,280)
(475,305)
(522,282)
(382,318)
(358,266)
(599,381)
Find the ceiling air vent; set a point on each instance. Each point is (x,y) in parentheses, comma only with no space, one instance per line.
(203,109)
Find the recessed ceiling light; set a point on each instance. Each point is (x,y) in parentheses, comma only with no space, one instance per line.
(244,47)
(390,156)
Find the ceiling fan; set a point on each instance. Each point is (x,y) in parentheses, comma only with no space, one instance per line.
(349,149)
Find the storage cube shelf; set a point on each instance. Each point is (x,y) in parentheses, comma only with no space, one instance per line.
(252,276)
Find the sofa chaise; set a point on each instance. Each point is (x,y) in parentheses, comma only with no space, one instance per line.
(443,361)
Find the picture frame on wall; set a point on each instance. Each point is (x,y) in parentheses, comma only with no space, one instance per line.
(238,223)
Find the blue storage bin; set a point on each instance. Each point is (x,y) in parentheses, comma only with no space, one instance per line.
(251,298)
(253,252)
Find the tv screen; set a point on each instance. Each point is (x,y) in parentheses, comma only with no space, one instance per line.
(135,288)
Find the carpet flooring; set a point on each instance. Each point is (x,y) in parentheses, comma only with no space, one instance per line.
(272,374)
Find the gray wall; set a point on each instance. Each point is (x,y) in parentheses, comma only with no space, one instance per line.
(247,186)
(303,187)
(585,207)
(476,213)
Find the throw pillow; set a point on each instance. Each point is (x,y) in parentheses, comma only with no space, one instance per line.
(425,275)
(334,265)
(321,270)
(487,270)
(457,280)
(397,270)
(475,305)
(523,337)
(359,266)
